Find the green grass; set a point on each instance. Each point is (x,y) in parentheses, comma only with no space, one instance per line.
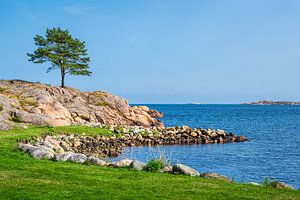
(22,177)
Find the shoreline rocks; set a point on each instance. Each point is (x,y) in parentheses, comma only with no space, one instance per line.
(130,136)
(186,170)
(216,176)
(50,148)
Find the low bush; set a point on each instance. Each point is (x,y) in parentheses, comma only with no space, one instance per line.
(154,165)
(269,182)
(15,118)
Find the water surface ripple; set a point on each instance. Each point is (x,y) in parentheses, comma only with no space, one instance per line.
(273,150)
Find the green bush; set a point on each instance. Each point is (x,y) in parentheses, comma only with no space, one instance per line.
(15,118)
(2,90)
(1,107)
(154,165)
(269,182)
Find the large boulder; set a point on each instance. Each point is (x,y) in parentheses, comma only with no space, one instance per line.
(77,157)
(96,161)
(137,165)
(167,169)
(63,156)
(282,185)
(186,170)
(122,163)
(41,153)
(216,176)
(71,156)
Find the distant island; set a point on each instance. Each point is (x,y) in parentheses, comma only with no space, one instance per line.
(267,102)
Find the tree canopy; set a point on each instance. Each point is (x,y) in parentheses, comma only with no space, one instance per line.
(63,52)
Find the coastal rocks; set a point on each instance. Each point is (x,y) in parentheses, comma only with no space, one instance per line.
(167,169)
(186,170)
(129,136)
(96,161)
(63,156)
(137,165)
(23,102)
(77,157)
(210,175)
(282,185)
(38,152)
(122,163)
(42,154)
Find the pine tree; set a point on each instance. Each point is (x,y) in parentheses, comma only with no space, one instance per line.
(63,52)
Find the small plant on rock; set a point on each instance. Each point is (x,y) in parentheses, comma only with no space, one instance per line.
(1,107)
(15,118)
(154,165)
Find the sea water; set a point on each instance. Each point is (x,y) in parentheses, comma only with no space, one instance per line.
(273,149)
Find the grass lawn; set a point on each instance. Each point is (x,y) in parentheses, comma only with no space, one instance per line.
(23,177)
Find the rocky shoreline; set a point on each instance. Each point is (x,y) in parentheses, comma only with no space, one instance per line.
(94,149)
(128,136)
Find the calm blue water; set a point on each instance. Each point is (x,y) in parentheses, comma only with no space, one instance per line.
(273,150)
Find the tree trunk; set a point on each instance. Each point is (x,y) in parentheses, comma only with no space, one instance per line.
(62,76)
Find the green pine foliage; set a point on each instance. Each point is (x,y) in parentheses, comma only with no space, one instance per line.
(64,52)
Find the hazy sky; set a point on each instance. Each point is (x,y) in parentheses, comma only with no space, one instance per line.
(165,51)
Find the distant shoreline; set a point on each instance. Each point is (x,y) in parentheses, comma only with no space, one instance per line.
(267,102)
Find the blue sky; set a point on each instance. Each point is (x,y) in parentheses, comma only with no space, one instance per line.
(165,51)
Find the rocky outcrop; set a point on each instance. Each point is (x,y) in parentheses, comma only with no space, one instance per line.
(210,175)
(24,103)
(268,102)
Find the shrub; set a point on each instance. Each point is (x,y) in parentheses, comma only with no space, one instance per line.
(2,90)
(28,102)
(1,107)
(269,182)
(103,103)
(154,165)
(15,118)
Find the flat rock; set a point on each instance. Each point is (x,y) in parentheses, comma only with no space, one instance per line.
(282,185)
(42,154)
(77,157)
(210,175)
(167,169)
(63,156)
(184,169)
(122,163)
(137,165)
(96,161)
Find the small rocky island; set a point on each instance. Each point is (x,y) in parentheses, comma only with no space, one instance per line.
(268,102)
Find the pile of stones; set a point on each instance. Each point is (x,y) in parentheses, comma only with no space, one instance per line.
(128,136)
